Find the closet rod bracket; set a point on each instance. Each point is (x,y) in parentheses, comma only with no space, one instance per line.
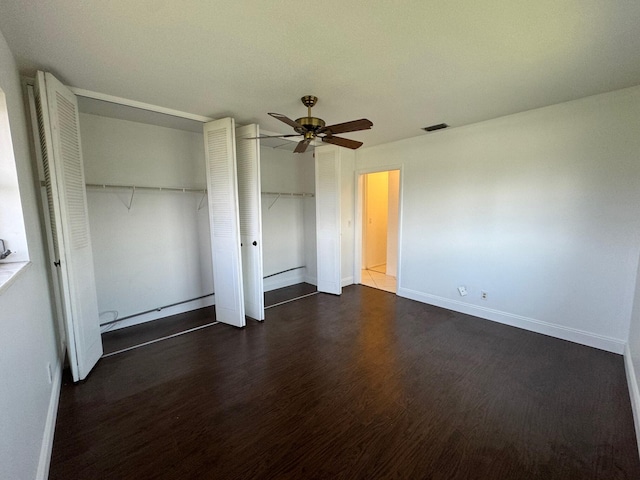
(274,202)
(204,195)
(133,192)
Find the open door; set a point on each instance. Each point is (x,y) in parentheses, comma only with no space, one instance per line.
(58,125)
(249,200)
(328,219)
(222,185)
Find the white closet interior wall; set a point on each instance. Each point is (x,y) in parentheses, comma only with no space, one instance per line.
(157,252)
(288,223)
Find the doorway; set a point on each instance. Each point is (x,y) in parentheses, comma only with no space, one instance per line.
(379,214)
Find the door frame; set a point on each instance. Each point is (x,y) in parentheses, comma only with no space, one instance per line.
(358,225)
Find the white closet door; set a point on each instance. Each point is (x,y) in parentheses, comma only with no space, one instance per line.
(328,219)
(248,159)
(222,185)
(58,122)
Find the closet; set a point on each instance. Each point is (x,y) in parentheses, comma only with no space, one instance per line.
(160,242)
(148,212)
(153,212)
(288,217)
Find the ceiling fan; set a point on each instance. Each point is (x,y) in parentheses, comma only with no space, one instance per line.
(313,127)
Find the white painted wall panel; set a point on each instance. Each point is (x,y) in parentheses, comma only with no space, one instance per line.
(156,254)
(632,359)
(539,209)
(288,227)
(140,154)
(29,339)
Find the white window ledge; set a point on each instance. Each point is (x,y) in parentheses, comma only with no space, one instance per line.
(9,272)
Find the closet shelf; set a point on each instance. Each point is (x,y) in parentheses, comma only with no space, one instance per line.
(133,189)
(289,194)
(136,187)
(286,194)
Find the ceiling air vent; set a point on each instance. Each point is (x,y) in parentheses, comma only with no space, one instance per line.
(433,128)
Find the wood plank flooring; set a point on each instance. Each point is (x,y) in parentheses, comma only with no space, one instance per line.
(291,292)
(138,334)
(362,386)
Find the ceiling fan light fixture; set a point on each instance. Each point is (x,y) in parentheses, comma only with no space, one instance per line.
(433,128)
(311,128)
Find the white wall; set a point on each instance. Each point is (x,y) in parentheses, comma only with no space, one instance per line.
(28,341)
(124,152)
(158,253)
(539,209)
(632,358)
(288,227)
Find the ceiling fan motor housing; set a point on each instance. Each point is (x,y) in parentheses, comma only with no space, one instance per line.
(310,124)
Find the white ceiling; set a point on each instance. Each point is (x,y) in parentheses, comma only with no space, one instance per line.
(402,64)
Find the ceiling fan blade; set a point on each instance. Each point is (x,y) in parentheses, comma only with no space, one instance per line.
(342,142)
(352,126)
(286,120)
(273,136)
(302,145)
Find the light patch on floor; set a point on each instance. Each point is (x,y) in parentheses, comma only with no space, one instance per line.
(376,278)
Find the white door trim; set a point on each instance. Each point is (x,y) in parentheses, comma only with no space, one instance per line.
(359,190)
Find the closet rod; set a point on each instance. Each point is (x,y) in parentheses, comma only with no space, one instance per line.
(170,189)
(285,194)
(157,309)
(284,271)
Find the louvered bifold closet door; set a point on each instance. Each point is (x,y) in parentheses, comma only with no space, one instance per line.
(249,200)
(222,186)
(328,219)
(58,123)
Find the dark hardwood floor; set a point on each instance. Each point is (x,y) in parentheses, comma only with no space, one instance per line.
(128,337)
(363,386)
(146,332)
(291,292)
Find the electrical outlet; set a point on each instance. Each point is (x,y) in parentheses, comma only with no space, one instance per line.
(462,290)
(483,295)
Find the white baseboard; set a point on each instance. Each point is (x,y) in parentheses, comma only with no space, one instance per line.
(311,280)
(634,393)
(157,314)
(347,281)
(553,330)
(47,438)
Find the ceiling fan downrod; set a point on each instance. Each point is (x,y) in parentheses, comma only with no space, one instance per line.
(310,125)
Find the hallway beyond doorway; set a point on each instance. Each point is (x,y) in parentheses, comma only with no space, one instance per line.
(375,277)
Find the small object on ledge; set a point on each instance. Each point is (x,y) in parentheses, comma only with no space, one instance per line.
(4,252)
